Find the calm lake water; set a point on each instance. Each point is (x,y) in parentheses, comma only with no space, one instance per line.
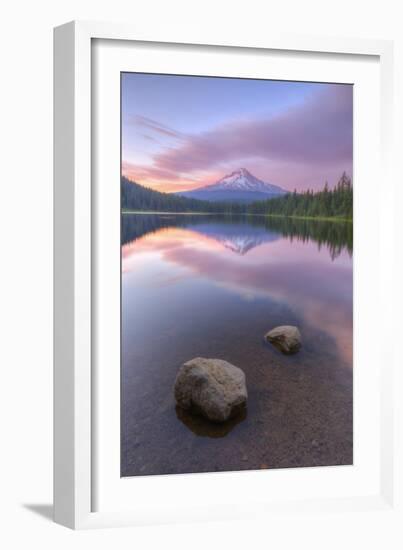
(212,286)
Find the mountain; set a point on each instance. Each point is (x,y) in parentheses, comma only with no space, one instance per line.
(240,186)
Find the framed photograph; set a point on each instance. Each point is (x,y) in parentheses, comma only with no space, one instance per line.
(223,276)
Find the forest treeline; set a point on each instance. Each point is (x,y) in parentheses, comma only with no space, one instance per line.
(137,197)
(328,203)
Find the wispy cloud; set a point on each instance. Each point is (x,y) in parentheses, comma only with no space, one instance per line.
(309,141)
(156,126)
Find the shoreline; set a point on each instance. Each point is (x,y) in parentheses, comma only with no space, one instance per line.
(311,218)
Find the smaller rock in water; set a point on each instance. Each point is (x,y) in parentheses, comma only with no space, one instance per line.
(211,387)
(286,339)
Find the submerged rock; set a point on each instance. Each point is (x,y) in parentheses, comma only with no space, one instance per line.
(286,338)
(211,387)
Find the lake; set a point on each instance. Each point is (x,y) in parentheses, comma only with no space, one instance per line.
(212,286)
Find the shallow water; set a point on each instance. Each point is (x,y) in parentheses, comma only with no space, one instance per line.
(212,286)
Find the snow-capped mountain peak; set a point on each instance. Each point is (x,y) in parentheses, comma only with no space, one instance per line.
(243,180)
(239,186)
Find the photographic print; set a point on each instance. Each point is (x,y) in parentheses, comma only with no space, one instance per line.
(236,274)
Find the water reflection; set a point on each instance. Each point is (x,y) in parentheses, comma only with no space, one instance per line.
(212,286)
(242,233)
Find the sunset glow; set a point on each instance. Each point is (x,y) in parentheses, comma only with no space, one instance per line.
(181,133)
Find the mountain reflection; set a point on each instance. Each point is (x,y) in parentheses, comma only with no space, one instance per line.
(238,237)
(243,233)
(209,286)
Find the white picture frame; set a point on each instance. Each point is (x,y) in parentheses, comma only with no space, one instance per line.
(76,416)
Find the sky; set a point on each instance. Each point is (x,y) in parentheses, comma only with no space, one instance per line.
(184,132)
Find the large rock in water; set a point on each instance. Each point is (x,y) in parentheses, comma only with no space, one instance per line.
(287,339)
(211,387)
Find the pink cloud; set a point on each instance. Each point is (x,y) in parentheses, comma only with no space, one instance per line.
(317,131)
(157,178)
(301,147)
